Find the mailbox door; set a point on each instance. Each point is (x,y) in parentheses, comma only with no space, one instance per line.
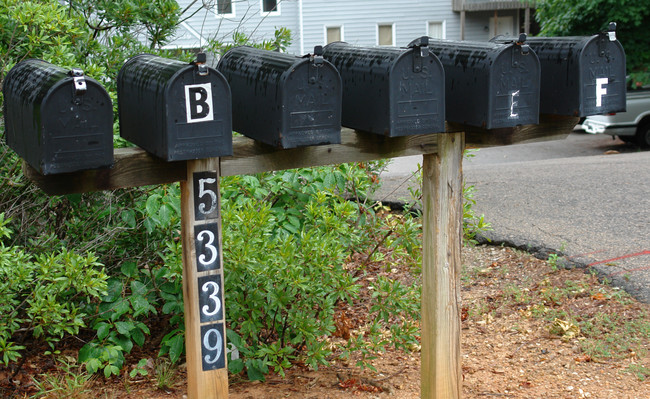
(198,115)
(602,76)
(312,98)
(417,97)
(514,89)
(77,130)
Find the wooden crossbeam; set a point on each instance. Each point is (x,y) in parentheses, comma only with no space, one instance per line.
(134,167)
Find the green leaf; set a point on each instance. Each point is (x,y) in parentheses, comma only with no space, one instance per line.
(128,217)
(254,371)
(137,336)
(153,204)
(129,268)
(165,214)
(235,366)
(123,341)
(113,290)
(102,330)
(176,345)
(138,288)
(124,327)
(141,305)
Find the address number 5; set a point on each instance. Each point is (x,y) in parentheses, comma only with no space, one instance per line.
(212,195)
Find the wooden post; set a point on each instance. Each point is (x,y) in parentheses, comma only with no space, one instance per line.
(205,338)
(442,234)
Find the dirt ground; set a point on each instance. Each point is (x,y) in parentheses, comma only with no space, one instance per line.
(515,344)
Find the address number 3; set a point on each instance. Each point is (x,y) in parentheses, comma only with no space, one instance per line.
(214,252)
(214,297)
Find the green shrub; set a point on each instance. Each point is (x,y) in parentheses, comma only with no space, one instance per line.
(43,295)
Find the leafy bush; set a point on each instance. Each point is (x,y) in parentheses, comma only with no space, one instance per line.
(43,295)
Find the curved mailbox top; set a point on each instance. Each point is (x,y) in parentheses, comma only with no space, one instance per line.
(581,75)
(389,90)
(57,120)
(260,66)
(283,100)
(490,85)
(173,109)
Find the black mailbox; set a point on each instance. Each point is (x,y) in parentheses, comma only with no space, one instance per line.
(490,85)
(57,120)
(390,91)
(283,100)
(581,76)
(174,110)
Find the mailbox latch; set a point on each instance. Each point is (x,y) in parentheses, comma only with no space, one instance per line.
(78,81)
(604,36)
(420,50)
(316,61)
(201,67)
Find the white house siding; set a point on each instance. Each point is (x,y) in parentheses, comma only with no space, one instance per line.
(358,18)
(248,18)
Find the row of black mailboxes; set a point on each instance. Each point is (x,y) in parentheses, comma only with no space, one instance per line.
(61,121)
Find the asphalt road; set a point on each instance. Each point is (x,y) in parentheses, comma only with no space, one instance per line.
(586,197)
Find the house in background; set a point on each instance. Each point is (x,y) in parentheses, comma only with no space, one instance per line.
(484,19)
(360,22)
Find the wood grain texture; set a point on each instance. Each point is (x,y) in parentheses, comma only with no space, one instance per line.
(200,384)
(134,167)
(441,244)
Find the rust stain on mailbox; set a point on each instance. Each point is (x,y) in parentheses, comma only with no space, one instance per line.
(57,120)
(490,85)
(284,100)
(581,76)
(174,110)
(388,90)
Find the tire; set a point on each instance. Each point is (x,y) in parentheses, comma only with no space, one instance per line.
(643,134)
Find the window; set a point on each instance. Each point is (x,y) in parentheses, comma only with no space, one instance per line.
(385,35)
(333,34)
(436,30)
(270,7)
(225,8)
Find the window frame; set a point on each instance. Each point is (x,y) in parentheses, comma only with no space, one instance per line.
(326,27)
(230,15)
(443,24)
(392,29)
(270,13)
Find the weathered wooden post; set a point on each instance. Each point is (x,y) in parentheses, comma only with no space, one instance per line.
(442,194)
(205,332)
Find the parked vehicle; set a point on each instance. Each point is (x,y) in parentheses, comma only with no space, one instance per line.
(632,126)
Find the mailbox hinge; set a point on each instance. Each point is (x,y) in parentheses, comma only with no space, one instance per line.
(316,60)
(78,81)
(420,51)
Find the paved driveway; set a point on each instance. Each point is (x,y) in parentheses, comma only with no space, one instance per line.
(566,196)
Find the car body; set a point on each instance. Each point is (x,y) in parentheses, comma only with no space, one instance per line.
(631,126)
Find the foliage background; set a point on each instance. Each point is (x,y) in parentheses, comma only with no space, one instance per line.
(586,17)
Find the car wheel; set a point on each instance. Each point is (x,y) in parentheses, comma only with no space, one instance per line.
(643,134)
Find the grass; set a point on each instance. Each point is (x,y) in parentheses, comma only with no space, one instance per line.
(71,381)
